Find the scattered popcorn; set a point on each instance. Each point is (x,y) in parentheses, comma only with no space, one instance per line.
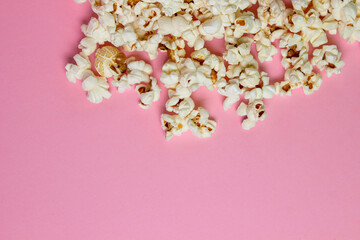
(155,26)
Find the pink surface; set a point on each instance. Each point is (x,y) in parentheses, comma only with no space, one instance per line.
(73,170)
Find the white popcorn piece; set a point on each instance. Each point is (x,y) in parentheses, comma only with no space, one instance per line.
(212,27)
(148,16)
(312,83)
(149,93)
(264,47)
(174,48)
(170,26)
(173,125)
(350,32)
(199,123)
(271,12)
(88,45)
(94,30)
(328,58)
(283,88)
(238,51)
(77,71)
(169,8)
(263,90)
(173,25)
(295,77)
(97,87)
(294,20)
(344,10)
(125,35)
(170,74)
(321,6)
(181,106)
(254,111)
(330,24)
(246,23)
(300,4)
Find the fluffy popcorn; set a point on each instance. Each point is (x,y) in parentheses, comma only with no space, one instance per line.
(271,12)
(350,32)
(246,23)
(149,93)
(97,87)
(262,90)
(328,58)
(313,32)
(321,6)
(182,106)
(154,26)
(300,4)
(212,27)
(294,20)
(94,30)
(199,123)
(238,51)
(175,48)
(254,111)
(264,47)
(110,61)
(312,83)
(137,72)
(170,74)
(173,125)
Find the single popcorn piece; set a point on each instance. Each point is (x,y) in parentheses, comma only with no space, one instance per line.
(97,87)
(77,71)
(181,106)
(110,61)
(254,111)
(199,123)
(328,58)
(149,93)
(173,125)
(312,83)
(246,23)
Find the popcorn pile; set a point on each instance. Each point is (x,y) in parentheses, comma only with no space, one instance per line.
(170,25)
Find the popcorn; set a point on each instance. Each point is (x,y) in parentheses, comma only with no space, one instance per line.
(182,106)
(328,58)
(170,26)
(264,47)
(149,93)
(199,123)
(88,45)
(137,72)
(110,61)
(271,12)
(246,23)
(96,31)
(97,87)
(312,83)
(77,71)
(173,125)
(254,111)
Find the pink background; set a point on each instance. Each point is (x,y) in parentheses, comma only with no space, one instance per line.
(73,170)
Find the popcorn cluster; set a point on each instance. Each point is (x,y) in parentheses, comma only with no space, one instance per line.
(170,25)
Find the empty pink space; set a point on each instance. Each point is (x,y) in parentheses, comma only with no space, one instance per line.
(73,170)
